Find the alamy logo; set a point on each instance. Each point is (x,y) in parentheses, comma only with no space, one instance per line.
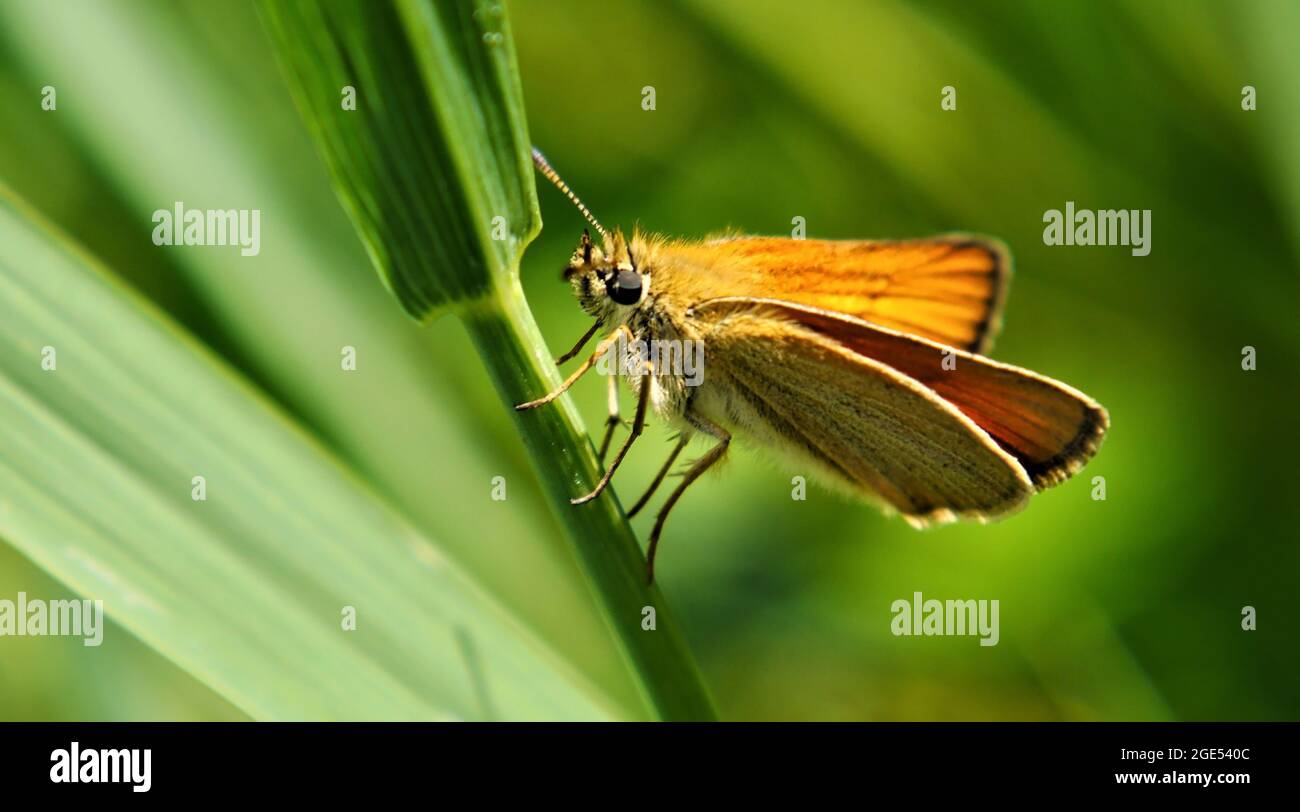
(182,226)
(77,766)
(53,618)
(1108,227)
(943,618)
(683,358)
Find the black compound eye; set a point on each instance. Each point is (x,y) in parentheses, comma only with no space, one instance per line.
(624,287)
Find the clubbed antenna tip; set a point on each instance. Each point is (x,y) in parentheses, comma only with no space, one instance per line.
(544,167)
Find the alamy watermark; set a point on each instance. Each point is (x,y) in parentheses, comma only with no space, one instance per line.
(683,358)
(1130,227)
(52,618)
(182,226)
(74,765)
(945,618)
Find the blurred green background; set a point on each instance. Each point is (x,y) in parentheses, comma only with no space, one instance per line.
(1128,608)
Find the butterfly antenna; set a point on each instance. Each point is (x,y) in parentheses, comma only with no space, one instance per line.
(544,166)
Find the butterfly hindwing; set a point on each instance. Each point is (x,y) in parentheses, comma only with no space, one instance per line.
(1050,428)
(870,428)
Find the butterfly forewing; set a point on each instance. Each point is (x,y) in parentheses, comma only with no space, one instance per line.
(949,289)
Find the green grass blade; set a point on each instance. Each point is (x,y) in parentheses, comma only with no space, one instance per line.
(245,589)
(435,87)
(456,163)
(237,141)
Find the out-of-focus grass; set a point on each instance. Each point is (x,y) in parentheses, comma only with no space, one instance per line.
(236,137)
(830,111)
(135,468)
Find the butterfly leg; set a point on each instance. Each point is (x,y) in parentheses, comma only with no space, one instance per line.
(659,477)
(701,465)
(638,424)
(605,344)
(577,348)
(612,421)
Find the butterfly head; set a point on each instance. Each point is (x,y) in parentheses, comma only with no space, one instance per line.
(607,278)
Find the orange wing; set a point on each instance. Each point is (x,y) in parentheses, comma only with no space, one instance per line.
(865,426)
(948,289)
(1051,429)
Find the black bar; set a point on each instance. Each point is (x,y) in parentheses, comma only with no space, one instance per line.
(332,761)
